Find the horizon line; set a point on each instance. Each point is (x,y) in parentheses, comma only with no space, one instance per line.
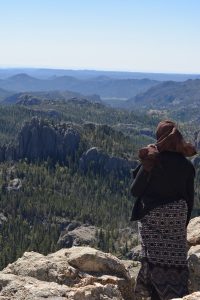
(93,70)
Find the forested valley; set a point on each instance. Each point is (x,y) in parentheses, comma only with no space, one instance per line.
(66,165)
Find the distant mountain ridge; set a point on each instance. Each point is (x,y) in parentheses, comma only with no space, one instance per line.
(144,93)
(103,86)
(44,73)
(168,94)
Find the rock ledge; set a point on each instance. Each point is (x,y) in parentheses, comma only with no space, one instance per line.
(80,273)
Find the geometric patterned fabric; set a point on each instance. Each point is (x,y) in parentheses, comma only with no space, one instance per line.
(164,272)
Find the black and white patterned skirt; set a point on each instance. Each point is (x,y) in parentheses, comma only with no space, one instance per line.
(164,270)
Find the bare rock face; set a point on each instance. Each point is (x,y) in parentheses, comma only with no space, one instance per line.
(193,231)
(39,139)
(80,273)
(97,161)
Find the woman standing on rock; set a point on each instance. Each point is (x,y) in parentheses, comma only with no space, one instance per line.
(164,187)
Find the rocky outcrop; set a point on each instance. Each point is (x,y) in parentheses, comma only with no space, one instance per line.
(3,218)
(95,99)
(77,235)
(193,296)
(93,160)
(39,140)
(80,273)
(28,100)
(193,232)
(97,161)
(29,288)
(14,185)
(135,253)
(8,153)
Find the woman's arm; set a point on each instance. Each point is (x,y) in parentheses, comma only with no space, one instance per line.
(140,182)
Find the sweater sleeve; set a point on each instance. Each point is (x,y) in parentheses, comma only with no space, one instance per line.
(190,193)
(140,182)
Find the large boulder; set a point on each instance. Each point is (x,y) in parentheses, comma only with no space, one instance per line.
(193,231)
(80,273)
(78,236)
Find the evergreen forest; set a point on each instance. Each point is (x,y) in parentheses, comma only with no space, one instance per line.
(39,197)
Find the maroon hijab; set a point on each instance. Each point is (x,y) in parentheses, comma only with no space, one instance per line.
(169,138)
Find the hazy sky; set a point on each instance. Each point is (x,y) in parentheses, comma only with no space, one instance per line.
(132,35)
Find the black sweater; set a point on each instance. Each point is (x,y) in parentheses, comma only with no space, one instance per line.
(171,179)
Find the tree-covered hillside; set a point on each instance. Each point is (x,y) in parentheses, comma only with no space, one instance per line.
(169,93)
(42,194)
(77,111)
(36,194)
(50,193)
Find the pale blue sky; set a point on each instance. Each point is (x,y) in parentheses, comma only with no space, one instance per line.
(132,35)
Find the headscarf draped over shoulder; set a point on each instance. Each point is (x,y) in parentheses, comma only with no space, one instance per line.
(169,138)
